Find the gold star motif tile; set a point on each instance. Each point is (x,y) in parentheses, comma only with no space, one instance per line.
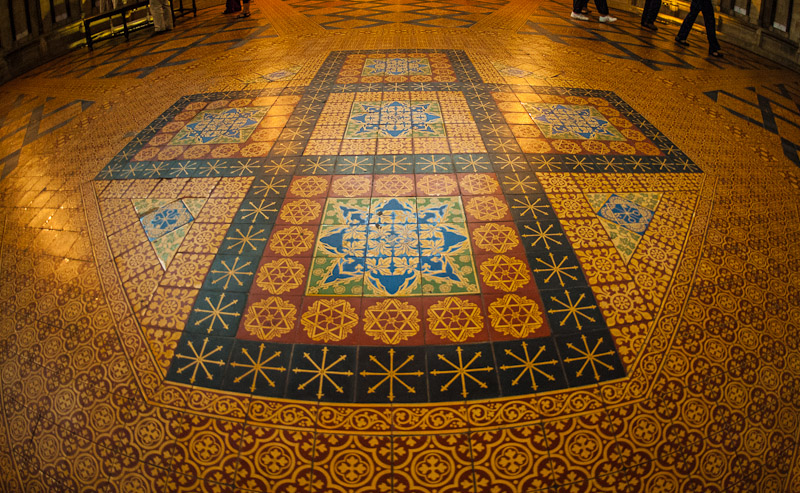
(455,319)
(270,318)
(515,315)
(391,321)
(280,276)
(329,320)
(505,273)
(495,238)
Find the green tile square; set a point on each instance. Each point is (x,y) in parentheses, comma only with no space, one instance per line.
(395,163)
(329,277)
(444,239)
(426,119)
(335,210)
(438,272)
(364,120)
(383,275)
(429,209)
(396,210)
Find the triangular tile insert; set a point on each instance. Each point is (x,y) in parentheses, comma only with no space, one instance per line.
(623,239)
(167,245)
(143,206)
(596,200)
(194,205)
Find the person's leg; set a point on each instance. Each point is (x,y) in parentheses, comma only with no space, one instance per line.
(167,10)
(578,6)
(158,16)
(602,7)
(688,22)
(711,25)
(650,12)
(232,6)
(245,9)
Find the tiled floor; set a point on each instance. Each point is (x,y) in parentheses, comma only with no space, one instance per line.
(400,246)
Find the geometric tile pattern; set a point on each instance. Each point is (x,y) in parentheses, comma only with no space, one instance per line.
(30,118)
(355,14)
(393,247)
(490,274)
(778,111)
(143,56)
(572,122)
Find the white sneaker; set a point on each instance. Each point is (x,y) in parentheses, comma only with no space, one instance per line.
(607,18)
(580,17)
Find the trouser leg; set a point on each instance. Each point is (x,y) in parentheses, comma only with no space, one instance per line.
(688,22)
(167,6)
(650,12)
(602,7)
(162,17)
(711,25)
(158,15)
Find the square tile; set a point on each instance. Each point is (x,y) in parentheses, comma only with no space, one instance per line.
(258,368)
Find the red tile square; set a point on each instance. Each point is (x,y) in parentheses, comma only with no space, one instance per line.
(392,321)
(495,237)
(503,273)
(270,318)
(281,276)
(517,315)
(486,208)
(292,241)
(454,319)
(328,320)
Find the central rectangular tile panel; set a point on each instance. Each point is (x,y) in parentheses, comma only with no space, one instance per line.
(387,246)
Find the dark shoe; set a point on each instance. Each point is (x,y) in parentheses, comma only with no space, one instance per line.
(715,54)
(243,15)
(649,27)
(681,42)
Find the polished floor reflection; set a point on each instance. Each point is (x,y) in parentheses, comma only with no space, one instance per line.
(400,246)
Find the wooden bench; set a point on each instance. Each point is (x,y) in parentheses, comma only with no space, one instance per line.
(121,11)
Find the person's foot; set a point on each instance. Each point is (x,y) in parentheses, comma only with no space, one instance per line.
(579,16)
(243,15)
(681,42)
(715,54)
(649,26)
(607,18)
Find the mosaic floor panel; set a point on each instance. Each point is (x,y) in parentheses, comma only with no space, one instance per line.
(479,280)
(400,246)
